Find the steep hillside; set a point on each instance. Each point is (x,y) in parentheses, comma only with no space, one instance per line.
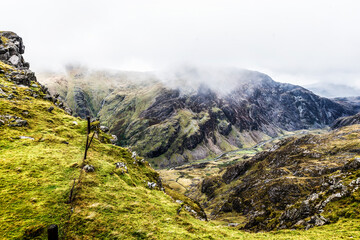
(300,182)
(171,121)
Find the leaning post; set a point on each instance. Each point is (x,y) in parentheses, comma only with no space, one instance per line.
(87,136)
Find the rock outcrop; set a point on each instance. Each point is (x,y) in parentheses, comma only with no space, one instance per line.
(11,50)
(16,70)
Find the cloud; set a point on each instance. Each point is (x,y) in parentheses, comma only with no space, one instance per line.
(294,39)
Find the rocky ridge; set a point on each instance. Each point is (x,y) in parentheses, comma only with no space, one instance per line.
(299,183)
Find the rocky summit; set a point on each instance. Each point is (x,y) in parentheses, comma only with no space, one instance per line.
(171,123)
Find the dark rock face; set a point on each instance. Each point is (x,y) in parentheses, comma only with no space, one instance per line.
(346,121)
(164,106)
(258,104)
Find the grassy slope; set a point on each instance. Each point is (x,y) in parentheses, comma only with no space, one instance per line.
(36,177)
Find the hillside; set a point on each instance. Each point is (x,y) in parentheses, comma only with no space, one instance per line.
(299,183)
(175,120)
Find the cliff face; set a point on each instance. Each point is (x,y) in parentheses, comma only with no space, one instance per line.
(172,126)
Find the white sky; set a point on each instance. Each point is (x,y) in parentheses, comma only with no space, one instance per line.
(293,41)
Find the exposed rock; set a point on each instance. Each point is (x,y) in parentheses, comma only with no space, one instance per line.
(68,111)
(25,137)
(50,109)
(122,166)
(48,97)
(104,129)
(349,102)
(19,123)
(318,220)
(11,96)
(14,60)
(352,165)
(89,168)
(233,224)
(151,185)
(113,139)
(11,51)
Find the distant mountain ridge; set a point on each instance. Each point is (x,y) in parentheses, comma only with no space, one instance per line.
(172,126)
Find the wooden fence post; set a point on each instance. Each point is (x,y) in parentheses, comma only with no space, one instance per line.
(53,232)
(87,137)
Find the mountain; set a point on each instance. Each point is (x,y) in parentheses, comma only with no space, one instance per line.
(193,113)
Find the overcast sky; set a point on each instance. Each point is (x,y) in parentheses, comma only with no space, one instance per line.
(299,42)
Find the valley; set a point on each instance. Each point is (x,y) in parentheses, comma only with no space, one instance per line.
(183,177)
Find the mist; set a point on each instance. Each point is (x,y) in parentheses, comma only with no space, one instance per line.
(300,42)
(189,78)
